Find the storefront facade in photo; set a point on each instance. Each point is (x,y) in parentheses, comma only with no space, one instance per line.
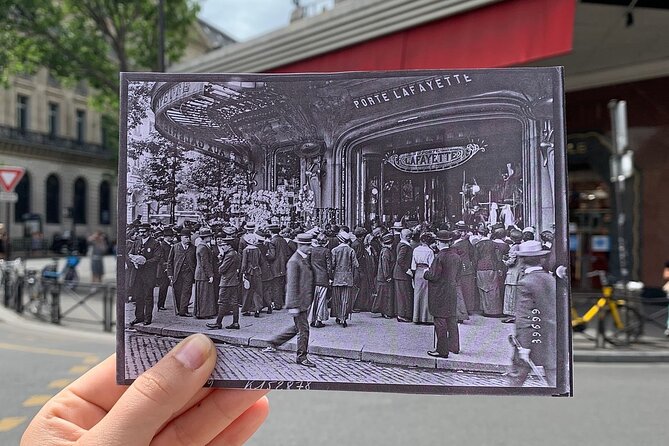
(434,146)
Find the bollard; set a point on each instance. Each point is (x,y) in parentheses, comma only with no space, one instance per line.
(18,303)
(54,290)
(107,309)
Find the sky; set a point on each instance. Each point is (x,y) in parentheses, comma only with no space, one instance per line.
(246,19)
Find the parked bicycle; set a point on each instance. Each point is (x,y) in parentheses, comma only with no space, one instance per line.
(618,322)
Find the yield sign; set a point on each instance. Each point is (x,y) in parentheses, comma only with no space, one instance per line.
(10,176)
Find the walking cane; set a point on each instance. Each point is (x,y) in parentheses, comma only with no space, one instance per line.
(514,342)
(174,297)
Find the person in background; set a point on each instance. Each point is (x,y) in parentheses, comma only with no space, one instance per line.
(266,271)
(321,264)
(277,256)
(443,297)
(166,239)
(665,288)
(402,278)
(299,298)
(252,297)
(421,260)
(98,247)
(144,256)
(205,300)
(181,271)
(229,265)
(344,262)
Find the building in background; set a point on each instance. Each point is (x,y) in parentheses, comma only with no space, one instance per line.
(70,181)
(611,49)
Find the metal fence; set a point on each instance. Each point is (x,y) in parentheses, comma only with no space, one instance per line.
(55,301)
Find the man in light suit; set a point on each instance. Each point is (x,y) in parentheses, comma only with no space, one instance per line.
(442,295)
(181,270)
(144,256)
(299,297)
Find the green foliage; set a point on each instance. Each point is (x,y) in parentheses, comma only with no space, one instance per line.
(90,40)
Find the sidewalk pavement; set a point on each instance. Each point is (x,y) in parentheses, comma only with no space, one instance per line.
(483,341)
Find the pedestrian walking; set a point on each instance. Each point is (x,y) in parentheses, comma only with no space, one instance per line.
(252,295)
(442,296)
(277,256)
(299,298)
(535,316)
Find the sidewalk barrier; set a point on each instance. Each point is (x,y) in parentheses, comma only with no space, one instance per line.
(50,300)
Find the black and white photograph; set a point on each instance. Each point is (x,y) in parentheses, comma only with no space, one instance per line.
(375,231)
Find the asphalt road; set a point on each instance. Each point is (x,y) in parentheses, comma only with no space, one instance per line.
(614,404)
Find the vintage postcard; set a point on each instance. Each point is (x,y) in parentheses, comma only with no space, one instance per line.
(375,231)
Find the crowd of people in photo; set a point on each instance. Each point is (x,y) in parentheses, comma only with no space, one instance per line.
(424,274)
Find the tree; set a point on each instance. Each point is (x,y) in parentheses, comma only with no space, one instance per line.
(160,170)
(90,40)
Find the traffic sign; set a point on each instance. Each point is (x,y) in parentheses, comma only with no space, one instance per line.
(10,177)
(11,197)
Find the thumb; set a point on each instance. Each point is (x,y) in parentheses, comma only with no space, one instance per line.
(159,393)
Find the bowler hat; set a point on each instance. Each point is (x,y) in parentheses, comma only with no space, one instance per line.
(273,227)
(250,226)
(461,225)
(168,232)
(359,232)
(185,232)
(206,232)
(303,239)
(530,248)
(444,236)
(387,239)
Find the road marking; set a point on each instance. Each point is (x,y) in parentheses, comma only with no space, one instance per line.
(91,360)
(59,383)
(9,423)
(36,400)
(45,351)
(79,369)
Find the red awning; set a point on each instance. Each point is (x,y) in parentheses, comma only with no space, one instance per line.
(508,33)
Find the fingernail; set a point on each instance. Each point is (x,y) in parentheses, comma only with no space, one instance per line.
(194,351)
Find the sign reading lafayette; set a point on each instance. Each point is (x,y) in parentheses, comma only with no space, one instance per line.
(432,160)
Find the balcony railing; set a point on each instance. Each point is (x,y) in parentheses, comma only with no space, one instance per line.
(55,142)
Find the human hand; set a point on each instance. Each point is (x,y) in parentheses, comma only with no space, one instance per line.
(166,405)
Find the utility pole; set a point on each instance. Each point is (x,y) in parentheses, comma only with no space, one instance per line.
(161,36)
(622,168)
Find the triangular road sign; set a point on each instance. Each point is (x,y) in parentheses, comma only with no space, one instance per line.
(10,177)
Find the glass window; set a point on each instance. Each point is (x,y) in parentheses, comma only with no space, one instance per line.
(22,112)
(105,203)
(52,199)
(81,126)
(54,118)
(23,191)
(80,201)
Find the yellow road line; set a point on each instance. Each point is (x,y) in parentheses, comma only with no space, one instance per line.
(9,423)
(79,369)
(59,383)
(44,351)
(91,360)
(36,400)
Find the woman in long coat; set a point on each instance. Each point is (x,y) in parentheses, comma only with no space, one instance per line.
(420,262)
(384,302)
(344,262)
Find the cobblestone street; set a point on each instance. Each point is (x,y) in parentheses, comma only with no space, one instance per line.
(251,364)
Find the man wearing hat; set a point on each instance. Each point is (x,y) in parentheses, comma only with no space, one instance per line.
(363,300)
(144,256)
(181,270)
(385,289)
(165,239)
(396,229)
(487,278)
(205,300)
(299,298)
(467,275)
(229,265)
(277,256)
(535,315)
(321,264)
(442,295)
(402,278)
(266,275)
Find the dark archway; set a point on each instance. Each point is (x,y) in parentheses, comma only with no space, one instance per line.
(23,205)
(105,203)
(52,195)
(79,202)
